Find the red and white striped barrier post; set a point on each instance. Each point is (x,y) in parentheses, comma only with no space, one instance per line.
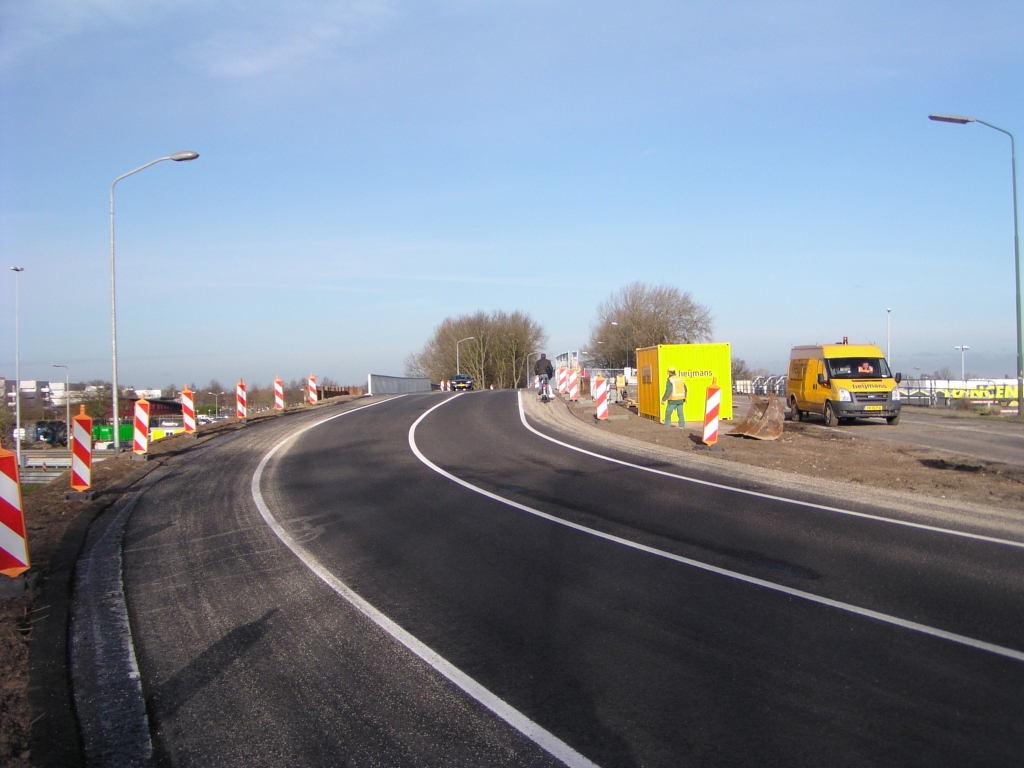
(188,411)
(81,451)
(574,384)
(13,544)
(241,407)
(278,394)
(712,401)
(563,381)
(312,389)
(140,436)
(601,397)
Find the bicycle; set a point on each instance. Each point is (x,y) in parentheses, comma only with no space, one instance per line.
(546,393)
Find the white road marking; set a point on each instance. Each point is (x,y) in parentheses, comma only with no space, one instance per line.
(758,494)
(531,730)
(999,650)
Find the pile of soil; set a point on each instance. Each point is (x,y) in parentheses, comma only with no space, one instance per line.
(815,450)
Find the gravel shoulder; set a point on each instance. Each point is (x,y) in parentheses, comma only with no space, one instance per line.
(33,626)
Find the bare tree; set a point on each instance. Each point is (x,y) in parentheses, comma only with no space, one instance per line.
(496,353)
(639,315)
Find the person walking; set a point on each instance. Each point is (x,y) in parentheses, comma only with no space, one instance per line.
(675,396)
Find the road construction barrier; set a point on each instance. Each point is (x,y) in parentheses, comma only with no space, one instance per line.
(188,411)
(312,389)
(81,451)
(140,434)
(574,384)
(241,408)
(278,394)
(601,397)
(563,381)
(13,544)
(712,402)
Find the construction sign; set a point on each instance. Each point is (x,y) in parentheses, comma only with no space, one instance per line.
(13,544)
(81,451)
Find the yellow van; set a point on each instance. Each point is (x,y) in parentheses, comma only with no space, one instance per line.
(842,382)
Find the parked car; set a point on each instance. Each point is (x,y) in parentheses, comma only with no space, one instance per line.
(462,381)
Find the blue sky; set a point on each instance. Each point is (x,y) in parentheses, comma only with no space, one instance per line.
(368,168)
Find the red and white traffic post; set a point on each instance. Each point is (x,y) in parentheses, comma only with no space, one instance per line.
(188,411)
(712,402)
(140,435)
(601,397)
(81,451)
(574,384)
(563,381)
(312,389)
(13,543)
(241,408)
(278,394)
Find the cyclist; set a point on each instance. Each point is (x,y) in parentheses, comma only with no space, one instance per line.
(544,372)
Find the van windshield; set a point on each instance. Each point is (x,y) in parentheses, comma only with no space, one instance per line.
(858,368)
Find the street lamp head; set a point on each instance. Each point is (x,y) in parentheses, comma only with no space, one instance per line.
(952,119)
(17,269)
(183,156)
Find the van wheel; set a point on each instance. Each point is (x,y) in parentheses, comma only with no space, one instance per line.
(892,421)
(830,416)
(794,411)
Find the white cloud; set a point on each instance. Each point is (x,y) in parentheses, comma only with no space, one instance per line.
(30,26)
(285,38)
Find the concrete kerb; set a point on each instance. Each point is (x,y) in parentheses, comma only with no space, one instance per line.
(55,739)
(905,505)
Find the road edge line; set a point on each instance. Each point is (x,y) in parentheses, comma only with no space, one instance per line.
(493,703)
(886,618)
(769,496)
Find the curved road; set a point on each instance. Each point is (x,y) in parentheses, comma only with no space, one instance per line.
(429,581)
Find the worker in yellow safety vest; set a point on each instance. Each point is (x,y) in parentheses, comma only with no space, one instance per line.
(675,396)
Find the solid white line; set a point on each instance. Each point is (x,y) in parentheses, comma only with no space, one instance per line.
(758,494)
(883,617)
(531,730)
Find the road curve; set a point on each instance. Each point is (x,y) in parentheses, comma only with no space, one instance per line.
(624,656)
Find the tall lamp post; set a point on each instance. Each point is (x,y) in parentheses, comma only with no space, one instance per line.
(1016,243)
(961,350)
(625,331)
(216,408)
(458,368)
(67,400)
(888,337)
(177,157)
(17,367)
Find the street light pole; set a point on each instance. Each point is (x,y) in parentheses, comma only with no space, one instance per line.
(961,350)
(17,366)
(458,368)
(888,337)
(625,331)
(216,408)
(67,400)
(1016,244)
(177,157)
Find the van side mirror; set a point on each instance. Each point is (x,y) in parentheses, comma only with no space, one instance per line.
(822,381)
(899,377)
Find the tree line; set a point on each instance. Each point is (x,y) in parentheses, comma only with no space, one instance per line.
(493,349)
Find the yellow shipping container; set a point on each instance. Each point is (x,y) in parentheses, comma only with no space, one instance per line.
(699,364)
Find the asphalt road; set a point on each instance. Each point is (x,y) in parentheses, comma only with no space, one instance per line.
(615,615)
